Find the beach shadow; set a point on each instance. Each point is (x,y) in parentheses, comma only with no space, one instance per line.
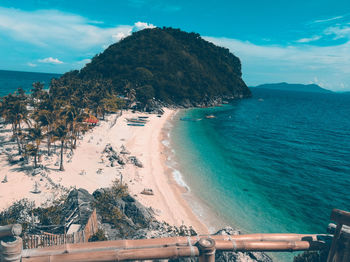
(52,168)
(26,169)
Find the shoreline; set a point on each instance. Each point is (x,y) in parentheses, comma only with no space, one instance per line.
(202,210)
(89,168)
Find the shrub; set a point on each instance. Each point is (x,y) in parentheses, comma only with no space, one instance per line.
(98,236)
(106,203)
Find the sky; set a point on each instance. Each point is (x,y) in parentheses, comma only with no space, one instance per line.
(299,41)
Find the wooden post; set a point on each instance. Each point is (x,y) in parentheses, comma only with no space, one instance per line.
(10,230)
(206,248)
(11,249)
(337,250)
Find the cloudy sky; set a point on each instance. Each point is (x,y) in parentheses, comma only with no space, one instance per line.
(295,41)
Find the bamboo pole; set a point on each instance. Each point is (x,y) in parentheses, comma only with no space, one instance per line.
(117,255)
(207,249)
(269,246)
(166,252)
(159,242)
(342,250)
(10,230)
(11,249)
(342,218)
(230,245)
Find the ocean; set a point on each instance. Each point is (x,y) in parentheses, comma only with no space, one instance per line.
(11,80)
(278,162)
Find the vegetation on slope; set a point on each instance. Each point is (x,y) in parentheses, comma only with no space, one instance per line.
(169,65)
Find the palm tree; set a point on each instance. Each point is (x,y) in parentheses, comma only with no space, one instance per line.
(111,103)
(14,110)
(46,119)
(34,135)
(37,93)
(61,132)
(69,113)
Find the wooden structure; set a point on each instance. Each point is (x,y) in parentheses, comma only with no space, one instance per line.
(10,243)
(175,247)
(10,230)
(203,247)
(47,239)
(340,248)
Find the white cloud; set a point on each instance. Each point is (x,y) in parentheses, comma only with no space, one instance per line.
(142,25)
(329,19)
(52,29)
(121,35)
(307,40)
(84,62)
(293,63)
(338,32)
(31,64)
(50,60)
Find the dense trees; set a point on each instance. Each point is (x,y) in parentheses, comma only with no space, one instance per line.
(167,64)
(55,115)
(14,111)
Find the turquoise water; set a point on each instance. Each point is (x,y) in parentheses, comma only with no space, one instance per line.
(277,162)
(11,80)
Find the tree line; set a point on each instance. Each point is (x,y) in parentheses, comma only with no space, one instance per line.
(57,115)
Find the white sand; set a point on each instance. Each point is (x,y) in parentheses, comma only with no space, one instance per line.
(142,142)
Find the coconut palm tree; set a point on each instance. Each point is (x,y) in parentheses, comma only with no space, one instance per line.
(35,136)
(46,120)
(14,110)
(61,133)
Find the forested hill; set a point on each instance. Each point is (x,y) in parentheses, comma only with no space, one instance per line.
(169,65)
(295,87)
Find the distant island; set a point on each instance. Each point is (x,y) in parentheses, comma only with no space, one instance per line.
(165,65)
(295,87)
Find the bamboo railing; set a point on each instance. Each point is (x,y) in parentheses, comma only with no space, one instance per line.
(166,248)
(203,247)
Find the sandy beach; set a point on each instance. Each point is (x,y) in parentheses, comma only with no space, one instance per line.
(90,168)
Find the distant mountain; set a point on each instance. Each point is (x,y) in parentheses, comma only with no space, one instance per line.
(168,65)
(295,87)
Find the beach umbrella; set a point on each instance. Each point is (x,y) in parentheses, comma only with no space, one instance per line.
(91,120)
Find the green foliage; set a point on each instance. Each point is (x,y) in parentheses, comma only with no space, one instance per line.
(98,236)
(145,93)
(168,64)
(19,212)
(49,216)
(23,211)
(105,203)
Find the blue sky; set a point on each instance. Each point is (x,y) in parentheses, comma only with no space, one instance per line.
(276,40)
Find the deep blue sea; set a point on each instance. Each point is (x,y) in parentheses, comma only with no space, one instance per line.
(276,162)
(11,80)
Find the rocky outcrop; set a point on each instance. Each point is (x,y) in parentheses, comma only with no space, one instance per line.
(139,223)
(112,156)
(78,207)
(239,256)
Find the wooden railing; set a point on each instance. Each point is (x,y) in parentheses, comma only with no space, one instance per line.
(46,239)
(203,247)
